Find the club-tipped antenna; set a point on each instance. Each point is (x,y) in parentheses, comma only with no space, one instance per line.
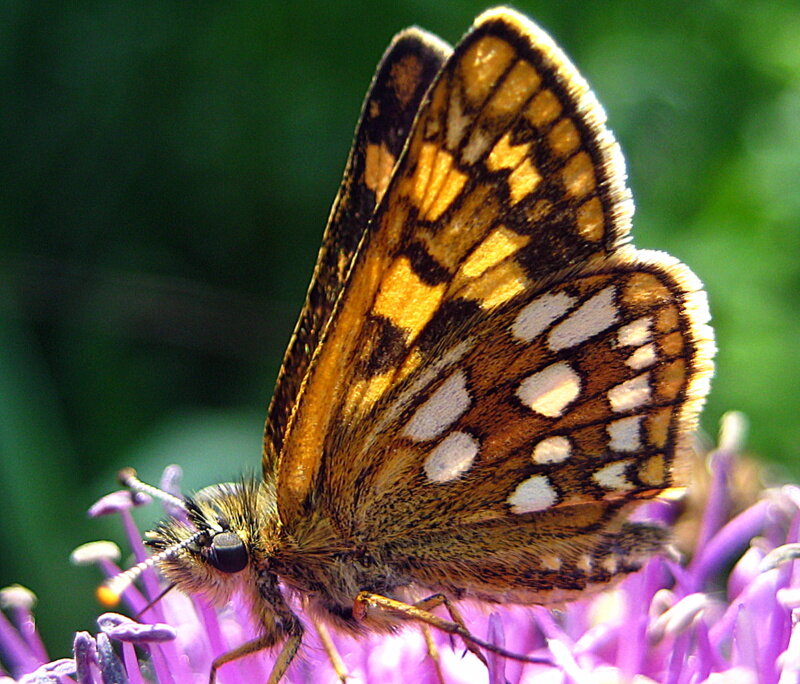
(112,589)
(130,479)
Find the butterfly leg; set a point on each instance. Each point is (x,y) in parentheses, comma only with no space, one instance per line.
(330,649)
(433,652)
(437,600)
(366,600)
(285,657)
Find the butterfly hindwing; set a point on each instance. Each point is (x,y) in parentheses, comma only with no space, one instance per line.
(534,433)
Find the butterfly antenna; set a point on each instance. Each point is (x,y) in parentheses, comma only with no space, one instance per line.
(150,604)
(130,479)
(112,589)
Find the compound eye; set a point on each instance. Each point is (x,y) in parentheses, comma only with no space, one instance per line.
(228,553)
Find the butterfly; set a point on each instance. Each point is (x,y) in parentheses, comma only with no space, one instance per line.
(486,377)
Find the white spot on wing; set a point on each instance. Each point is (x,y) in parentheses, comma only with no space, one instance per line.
(551,450)
(624,433)
(534,494)
(551,562)
(634,334)
(610,565)
(430,373)
(592,317)
(551,390)
(457,120)
(422,379)
(643,357)
(441,409)
(452,457)
(478,143)
(630,394)
(535,317)
(613,477)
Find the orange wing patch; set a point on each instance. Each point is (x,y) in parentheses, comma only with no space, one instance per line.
(402,285)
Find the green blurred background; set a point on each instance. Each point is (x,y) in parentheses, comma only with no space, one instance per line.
(169,169)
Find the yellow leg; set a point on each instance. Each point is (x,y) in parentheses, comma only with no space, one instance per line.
(433,652)
(285,657)
(366,600)
(437,600)
(330,648)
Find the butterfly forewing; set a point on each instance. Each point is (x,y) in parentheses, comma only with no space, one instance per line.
(403,76)
(502,377)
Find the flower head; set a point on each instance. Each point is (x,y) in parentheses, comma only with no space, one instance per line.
(729,614)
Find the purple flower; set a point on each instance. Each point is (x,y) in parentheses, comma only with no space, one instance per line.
(727,615)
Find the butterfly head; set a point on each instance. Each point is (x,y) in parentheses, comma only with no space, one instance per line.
(211,541)
(213,537)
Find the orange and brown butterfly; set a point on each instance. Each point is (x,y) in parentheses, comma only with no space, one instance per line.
(487,377)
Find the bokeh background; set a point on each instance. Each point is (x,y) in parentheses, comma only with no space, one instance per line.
(168,170)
